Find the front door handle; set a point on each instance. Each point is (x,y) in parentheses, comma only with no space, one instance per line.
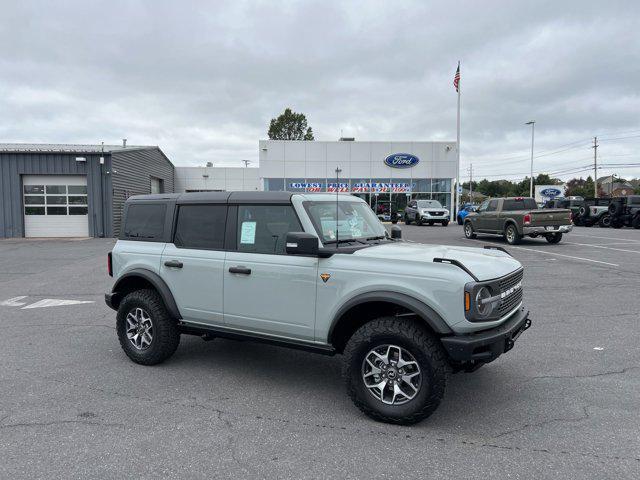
(242,270)
(173,264)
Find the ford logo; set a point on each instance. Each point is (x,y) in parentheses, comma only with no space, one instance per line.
(401,160)
(551,192)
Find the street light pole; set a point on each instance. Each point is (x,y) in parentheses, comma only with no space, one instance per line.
(533,129)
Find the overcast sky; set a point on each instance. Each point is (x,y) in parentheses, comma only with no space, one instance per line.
(203,79)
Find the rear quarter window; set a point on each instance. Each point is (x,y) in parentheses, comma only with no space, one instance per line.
(145,221)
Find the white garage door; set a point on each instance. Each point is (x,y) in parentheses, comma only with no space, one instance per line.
(55,206)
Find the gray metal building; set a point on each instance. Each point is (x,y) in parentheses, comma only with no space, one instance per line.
(53,190)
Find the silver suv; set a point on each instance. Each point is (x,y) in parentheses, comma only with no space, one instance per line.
(319,273)
(426,211)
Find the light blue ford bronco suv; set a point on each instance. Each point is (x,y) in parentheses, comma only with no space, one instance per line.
(317,272)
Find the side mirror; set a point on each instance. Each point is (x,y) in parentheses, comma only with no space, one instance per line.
(301,243)
(396,232)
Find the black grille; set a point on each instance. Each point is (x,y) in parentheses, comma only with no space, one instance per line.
(511,301)
(436,213)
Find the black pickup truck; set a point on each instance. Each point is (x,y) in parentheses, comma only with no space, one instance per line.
(517,217)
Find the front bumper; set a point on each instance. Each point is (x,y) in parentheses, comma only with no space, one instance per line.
(434,218)
(486,346)
(541,230)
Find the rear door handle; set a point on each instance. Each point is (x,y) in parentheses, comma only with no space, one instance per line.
(242,270)
(173,264)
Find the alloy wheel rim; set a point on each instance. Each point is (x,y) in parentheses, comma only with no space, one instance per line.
(391,374)
(139,329)
(510,234)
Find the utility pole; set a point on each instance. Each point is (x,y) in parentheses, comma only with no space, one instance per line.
(595,167)
(533,129)
(471,183)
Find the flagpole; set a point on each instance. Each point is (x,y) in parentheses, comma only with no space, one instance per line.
(457,205)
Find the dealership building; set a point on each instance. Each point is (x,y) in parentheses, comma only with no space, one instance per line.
(75,190)
(379,172)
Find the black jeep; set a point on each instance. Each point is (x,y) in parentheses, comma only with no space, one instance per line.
(625,211)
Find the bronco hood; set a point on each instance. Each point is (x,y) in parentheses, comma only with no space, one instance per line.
(484,264)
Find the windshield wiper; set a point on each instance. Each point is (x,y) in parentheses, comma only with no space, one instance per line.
(345,240)
(379,237)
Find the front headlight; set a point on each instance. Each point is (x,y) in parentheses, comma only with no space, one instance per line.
(480,303)
(446,212)
(483,302)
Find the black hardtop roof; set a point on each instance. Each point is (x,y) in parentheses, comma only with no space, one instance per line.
(216,197)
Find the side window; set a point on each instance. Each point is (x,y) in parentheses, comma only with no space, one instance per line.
(264,228)
(483,207)
(200,227)
(145,221)
(493,206)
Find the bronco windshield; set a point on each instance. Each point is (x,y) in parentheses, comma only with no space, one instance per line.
(356,221)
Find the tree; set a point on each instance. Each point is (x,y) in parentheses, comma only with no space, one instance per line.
(290,126)
(582,188)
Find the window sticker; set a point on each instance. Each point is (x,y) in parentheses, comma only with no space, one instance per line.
(248,233)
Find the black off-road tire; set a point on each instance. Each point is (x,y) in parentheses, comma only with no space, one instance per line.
(605,221)
(554,237)
(424,347)
(635,223)
(406,219)
(468,230)
(166,336)
(418,220)
(445,223)
(616,223)
(511,235)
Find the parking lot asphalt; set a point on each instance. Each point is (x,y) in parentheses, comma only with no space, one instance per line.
(564,403)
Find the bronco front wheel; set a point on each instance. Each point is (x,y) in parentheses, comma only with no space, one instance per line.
(395,371)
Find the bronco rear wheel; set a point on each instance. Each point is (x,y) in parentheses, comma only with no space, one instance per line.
(395,370)
(147,333)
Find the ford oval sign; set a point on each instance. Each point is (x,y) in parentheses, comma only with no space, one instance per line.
(401,160)
(551,192)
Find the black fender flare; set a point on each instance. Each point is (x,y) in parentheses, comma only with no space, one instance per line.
(428,314)
(161,287)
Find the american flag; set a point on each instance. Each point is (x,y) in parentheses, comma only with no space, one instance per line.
(456,78)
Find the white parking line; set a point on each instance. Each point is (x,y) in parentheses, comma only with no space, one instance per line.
(14,302)
(558,254)
(601,246)
(605,238)
(54,302)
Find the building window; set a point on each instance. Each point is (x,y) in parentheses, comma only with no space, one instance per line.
(55,200)
(274,184)
(441,185)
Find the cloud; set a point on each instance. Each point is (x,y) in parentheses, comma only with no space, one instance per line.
(203,79)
